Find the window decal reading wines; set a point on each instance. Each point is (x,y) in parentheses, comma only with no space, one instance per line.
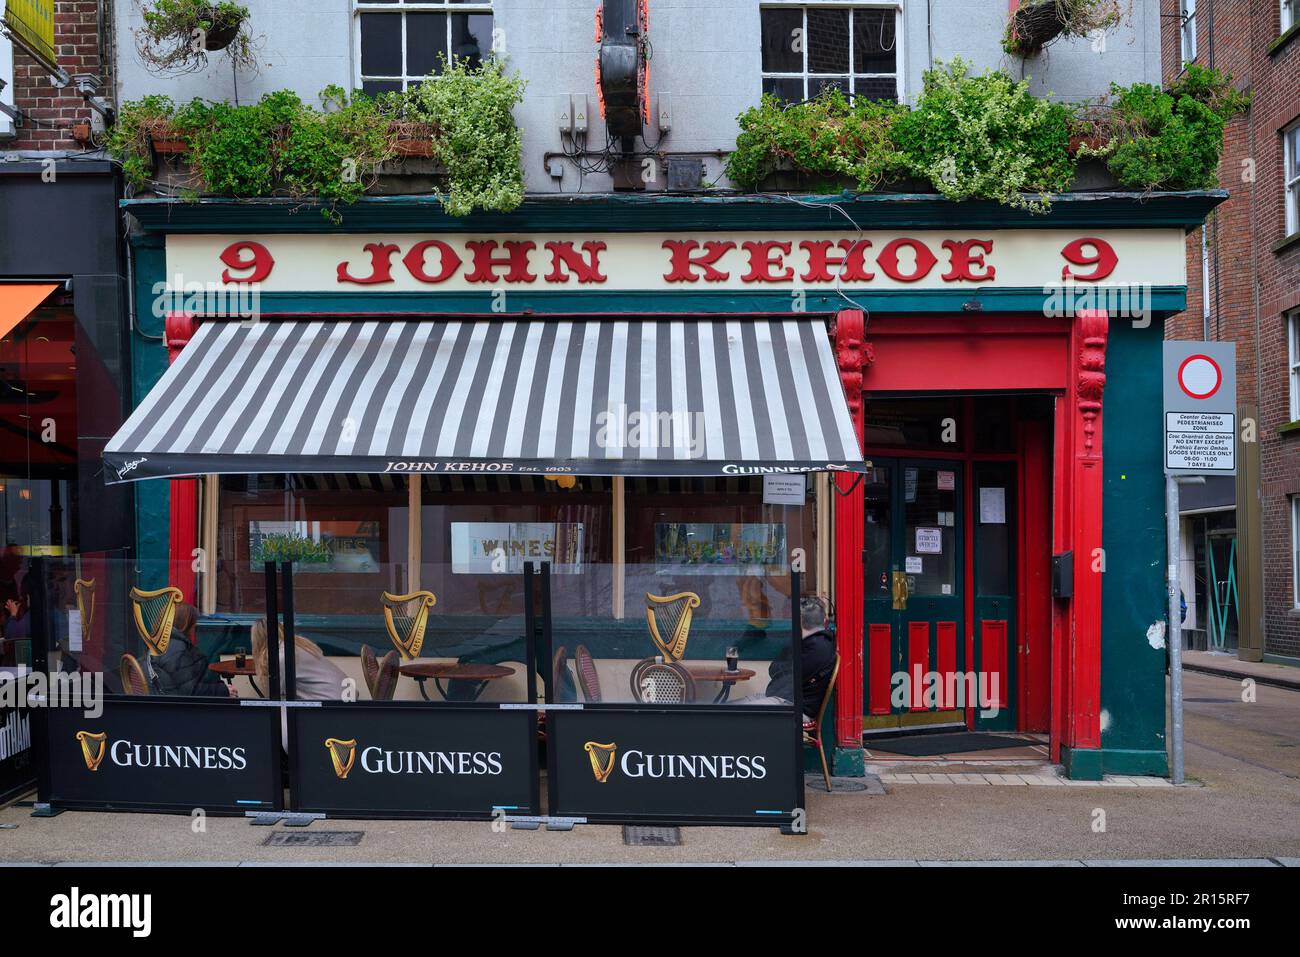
(502,548)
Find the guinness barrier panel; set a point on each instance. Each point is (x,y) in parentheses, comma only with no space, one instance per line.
(17,768)
(132,716)
(674,764)
(431,761)
(682,709)
(165,754)
(441,724)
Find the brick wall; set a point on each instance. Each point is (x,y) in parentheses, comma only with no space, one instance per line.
(1254,275)
(49,112)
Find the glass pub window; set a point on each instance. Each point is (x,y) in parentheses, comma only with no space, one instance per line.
(808,49)
(401,41)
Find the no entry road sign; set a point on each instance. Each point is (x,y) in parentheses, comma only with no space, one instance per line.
(1200,391)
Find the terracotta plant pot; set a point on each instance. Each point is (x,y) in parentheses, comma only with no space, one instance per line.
(413,139)
(165,139)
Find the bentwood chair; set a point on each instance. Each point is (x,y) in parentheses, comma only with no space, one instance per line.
(812,730)
(407,618)
(560,683)
(669,619)
(666,682)
(132,675)
(154,612)
(588,677)
(380,673)
(85,591)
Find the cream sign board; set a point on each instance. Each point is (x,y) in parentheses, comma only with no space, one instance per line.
(687,262)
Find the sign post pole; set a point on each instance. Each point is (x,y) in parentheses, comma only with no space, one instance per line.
(1174,638)
(1200,425)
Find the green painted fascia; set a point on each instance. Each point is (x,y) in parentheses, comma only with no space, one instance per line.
(635,212)
(1082,764)
(849,763)
(148,363)
(971,301)
(1133,536)
(1120,761)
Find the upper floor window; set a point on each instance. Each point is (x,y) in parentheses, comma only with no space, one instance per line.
(1290,14)
(1293,361)
(1188,32)
(400,42)
(1291,176)
(808,49)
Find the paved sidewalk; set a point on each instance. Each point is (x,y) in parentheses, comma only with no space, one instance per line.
(1229,666)
(1153,862)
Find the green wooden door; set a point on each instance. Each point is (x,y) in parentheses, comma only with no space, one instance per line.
(913,561)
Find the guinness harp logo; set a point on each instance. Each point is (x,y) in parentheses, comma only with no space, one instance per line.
(602,759)
(343,754)
(92,747)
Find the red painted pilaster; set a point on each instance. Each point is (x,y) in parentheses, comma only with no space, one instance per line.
(1088,347)
(852,354)
(178,328)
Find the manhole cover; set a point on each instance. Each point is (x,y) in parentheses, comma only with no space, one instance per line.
(651,836)
(313,839)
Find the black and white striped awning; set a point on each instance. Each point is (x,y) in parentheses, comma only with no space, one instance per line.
(586,397)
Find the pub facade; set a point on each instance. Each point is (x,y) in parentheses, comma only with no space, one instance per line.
(607,384)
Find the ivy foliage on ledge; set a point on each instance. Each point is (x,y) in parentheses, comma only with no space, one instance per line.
(986,137)
(461,118)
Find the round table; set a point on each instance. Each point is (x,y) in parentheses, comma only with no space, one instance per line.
(719,673)
(441,671)
(230,668)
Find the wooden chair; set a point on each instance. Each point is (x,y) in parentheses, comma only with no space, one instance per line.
(132,675)
(559,674)
(666,682)
(588,677)
(380,673)
(669,620)
(812,730)
(407,617)
(85,591)
(154,612)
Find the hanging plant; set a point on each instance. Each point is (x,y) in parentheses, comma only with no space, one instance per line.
(1036,23)
(179,36)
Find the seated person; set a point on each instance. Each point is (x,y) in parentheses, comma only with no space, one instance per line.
(182,669)
(817,657)
(317,678)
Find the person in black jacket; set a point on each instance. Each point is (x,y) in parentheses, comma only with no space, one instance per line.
(817,658)
(182,669)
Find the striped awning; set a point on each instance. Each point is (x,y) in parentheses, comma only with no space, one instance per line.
(584,397)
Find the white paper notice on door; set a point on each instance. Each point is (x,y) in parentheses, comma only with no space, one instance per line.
(993,505)
(929,541)
(947,481)
(914,564)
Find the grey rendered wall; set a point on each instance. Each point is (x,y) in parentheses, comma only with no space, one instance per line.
(1069,69)
(705,55)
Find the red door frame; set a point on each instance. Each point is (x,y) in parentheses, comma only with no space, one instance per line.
(979,353)
(183,508)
